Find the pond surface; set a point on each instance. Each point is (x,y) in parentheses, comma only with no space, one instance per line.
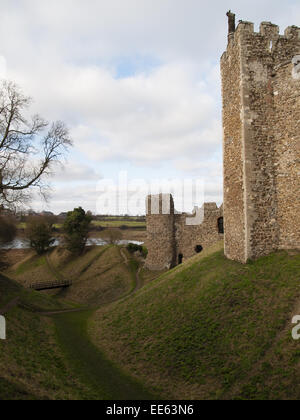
(21,243)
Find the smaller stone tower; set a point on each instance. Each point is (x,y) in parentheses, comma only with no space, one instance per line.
(160,232)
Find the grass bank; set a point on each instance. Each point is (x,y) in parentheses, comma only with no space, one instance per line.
(52,357)
(211,328)
(105,379)
(32,366)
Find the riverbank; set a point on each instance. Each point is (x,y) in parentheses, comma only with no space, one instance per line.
(98,238)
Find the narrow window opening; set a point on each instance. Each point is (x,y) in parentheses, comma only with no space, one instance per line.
(220,225)
(180,258)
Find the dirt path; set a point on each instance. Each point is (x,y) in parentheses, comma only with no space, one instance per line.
(57,275)
(126,261)
(63,311)
(138,281)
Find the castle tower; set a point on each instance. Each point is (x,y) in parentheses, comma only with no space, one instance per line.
(261,139)
(160,232)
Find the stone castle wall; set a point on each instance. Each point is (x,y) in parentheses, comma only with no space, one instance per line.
(261,105)
(287,156)
(170,239)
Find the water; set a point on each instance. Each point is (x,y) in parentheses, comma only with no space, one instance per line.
(21,243)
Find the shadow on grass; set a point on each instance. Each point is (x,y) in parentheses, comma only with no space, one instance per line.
(102,376)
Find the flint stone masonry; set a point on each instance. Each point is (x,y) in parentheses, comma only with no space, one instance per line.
(261,140)
(170,239)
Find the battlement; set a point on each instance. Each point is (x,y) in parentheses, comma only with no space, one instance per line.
(162,204)
(268,32)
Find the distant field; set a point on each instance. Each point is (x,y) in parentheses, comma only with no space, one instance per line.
(104,223)
(117,223)
(23,225)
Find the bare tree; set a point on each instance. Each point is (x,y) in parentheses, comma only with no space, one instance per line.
(28,147)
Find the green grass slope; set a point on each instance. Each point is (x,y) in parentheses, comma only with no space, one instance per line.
(211,328)
(32,366)
(105,378)
(99,276)
(30,270)
(52,357)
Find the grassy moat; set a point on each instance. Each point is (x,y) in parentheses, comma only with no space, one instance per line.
(208,329)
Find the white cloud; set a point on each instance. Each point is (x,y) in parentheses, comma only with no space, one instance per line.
(74,172)
(148,117)
(210,169)
(3,67)
(66,200)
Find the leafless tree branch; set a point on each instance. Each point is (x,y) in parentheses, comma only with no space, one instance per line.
(28,148)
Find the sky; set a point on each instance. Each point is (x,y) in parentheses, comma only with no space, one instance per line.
(138,84)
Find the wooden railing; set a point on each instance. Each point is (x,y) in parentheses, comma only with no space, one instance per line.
(50,285)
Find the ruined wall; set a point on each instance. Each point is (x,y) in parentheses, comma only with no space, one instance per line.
(170,239)
(204,235)
(261,134)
